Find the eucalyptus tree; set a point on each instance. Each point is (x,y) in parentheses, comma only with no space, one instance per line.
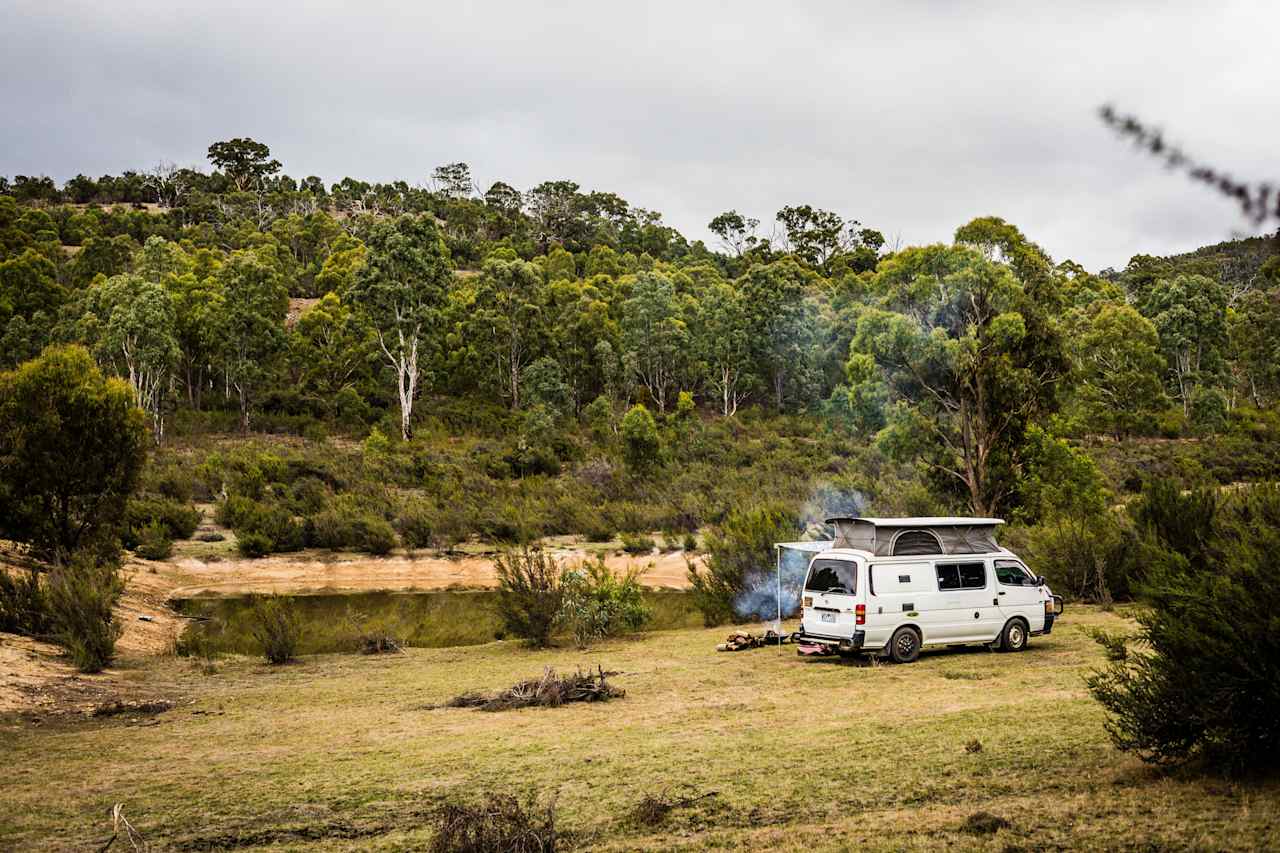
(137,337)
(246,162)
(1190,313)
(949,337)
(655,336)
(505,329)
(255,302)
(722,341)
(401,290)
(1117,354)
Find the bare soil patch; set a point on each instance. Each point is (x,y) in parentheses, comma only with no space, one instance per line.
(311,571)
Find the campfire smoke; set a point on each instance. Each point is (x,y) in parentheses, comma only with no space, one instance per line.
(762,595)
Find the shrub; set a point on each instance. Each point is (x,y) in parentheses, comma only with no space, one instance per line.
(416,525)
(685,407)
(269,527)
(529,594)
(637,544)
(81,597)
(377,536)
(640,439)
(174,483)
(24,605)
(690,542)
(740,556)
(1184,522)
(340,528)
(598,604)
(179,519)
(275,624)
(253,544)
(1094,557)
(1207,681)
(596,528)
(154,542)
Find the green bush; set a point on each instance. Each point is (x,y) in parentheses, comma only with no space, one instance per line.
(179,519)
(641,445)
(170,481)
(345,528)
(275,624)
(154,542)
(24,605)
(416,525)
(253,544)
(1094,557)
(596,528)
(269,528)
(638,544)
(690,542)
(81,597)
(529,595)
(1205,681)
(1183,521)
(598,604)
(740,553)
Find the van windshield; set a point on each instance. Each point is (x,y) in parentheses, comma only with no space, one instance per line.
(832,576)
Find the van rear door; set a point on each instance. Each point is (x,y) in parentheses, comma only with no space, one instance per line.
(831,596)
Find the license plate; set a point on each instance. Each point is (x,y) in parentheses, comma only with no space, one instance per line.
(828,617)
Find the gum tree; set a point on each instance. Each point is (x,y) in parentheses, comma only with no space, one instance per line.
(401,290)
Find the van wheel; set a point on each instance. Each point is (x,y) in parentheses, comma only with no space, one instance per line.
(904,646)
(1014,638)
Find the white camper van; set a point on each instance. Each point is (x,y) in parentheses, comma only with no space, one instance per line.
(892,586)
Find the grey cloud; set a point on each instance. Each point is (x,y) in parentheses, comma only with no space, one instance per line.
(913,119)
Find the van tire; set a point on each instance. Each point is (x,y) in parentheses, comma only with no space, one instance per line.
(904,645)
(1014,636)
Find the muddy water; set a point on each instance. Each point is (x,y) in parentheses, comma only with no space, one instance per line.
(336,622)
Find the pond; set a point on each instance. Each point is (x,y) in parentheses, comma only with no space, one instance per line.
(335,622)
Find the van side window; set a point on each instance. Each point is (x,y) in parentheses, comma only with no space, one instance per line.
(1012,573)
(953,576)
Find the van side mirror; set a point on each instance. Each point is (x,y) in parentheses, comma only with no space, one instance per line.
(1039,580)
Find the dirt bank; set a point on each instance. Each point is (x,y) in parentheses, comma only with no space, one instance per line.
(312,571)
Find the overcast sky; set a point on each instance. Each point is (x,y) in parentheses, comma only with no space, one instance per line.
(911,117)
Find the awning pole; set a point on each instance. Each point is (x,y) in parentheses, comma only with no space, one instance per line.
(778,560)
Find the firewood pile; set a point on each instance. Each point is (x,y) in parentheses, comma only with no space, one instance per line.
(739,640)
(550,691)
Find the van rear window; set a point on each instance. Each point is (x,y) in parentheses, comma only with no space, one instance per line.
(832,576)
(961,576)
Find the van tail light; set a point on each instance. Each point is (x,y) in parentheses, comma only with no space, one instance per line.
(860,614)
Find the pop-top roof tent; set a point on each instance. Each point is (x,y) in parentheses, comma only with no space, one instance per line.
(890,537)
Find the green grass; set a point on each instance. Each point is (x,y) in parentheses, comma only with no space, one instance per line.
(335,753)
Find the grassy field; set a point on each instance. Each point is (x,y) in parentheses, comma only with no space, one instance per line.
(336,753)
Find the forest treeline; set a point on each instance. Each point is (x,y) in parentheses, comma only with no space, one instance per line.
(285,301)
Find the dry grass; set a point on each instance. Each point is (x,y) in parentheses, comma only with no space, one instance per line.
(332,754)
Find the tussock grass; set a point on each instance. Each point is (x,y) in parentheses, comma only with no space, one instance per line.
(806,755)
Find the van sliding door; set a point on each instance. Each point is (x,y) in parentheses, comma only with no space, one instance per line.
(967,610)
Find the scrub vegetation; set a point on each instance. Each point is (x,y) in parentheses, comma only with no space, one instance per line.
(804,754)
